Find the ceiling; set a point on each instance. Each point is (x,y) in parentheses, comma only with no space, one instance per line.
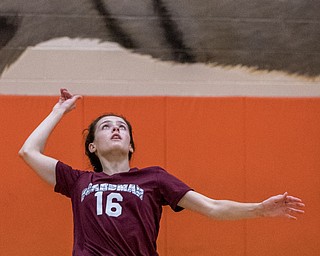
(272,35)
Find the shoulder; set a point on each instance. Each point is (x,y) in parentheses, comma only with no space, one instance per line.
(159,173)
(153,170)
(63,165)
(63,168)
(67,178)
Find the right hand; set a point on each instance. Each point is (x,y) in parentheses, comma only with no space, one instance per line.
(67,101)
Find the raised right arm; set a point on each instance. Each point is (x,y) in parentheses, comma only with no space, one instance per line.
(32,150)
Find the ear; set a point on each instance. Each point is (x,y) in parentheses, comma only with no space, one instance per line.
(92,148)
(131,149)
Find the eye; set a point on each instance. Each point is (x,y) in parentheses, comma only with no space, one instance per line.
(122,127)
(105,126)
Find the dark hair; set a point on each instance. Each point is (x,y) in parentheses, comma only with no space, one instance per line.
(90,131)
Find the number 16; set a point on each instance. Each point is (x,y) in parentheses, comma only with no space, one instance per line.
(112,209)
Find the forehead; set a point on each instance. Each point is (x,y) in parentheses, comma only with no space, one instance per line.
(111,119)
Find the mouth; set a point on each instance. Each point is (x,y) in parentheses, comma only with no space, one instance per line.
(116,137)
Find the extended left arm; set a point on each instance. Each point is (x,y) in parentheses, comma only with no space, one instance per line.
(275,206)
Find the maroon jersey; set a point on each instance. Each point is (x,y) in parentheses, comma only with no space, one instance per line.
(118,214)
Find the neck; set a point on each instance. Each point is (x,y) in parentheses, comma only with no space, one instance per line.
(113,166)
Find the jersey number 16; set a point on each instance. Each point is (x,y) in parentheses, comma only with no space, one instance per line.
(113,209)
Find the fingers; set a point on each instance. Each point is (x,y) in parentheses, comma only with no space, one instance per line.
(290,199)
(291,212)
(66,95)
(77,96)
(294,205)
(294,210)
(291,217)
(67,101)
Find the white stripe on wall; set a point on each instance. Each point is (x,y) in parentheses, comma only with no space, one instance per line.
(90,68)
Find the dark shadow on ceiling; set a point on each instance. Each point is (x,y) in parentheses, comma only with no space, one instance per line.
(259,34)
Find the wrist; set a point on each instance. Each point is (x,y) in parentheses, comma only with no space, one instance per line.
(260,210)
(57,113)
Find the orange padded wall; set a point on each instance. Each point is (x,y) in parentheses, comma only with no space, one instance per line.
(244,149)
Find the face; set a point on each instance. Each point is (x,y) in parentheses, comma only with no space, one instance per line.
(112,137)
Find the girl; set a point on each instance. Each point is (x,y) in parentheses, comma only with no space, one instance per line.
(116,208)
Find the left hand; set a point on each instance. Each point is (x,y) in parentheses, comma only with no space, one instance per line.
(282,206)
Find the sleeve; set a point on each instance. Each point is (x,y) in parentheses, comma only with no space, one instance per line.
(66,177)
(172,189)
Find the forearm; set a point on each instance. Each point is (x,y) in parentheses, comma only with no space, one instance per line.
(37,140)
(231,210)
(220,209)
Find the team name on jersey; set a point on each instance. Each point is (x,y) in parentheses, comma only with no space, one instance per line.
(130,188)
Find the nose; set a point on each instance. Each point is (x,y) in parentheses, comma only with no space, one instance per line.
(115,128)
